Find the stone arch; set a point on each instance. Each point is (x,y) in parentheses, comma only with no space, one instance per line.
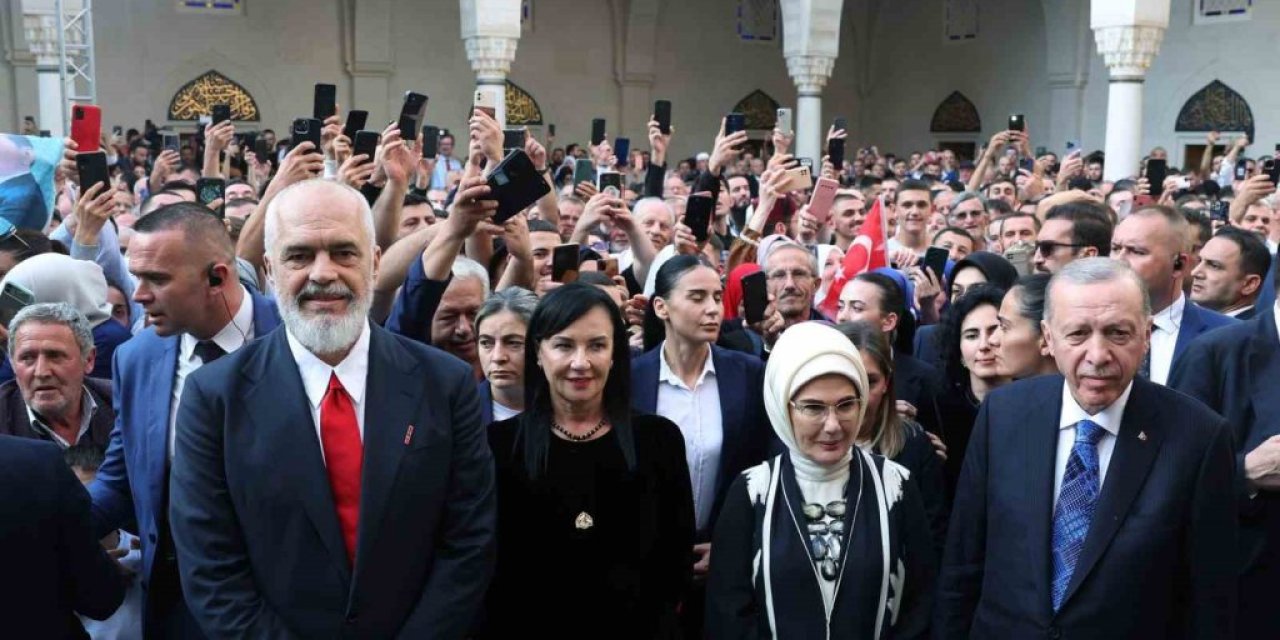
(956,114)
(1215,107)
(760,110)
(522,108)
(197,97)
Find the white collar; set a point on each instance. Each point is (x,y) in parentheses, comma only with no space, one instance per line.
(1170,317)
(1234,313)
(233,335)
(666,374)
(88,407)
(352,371)
(1109,418)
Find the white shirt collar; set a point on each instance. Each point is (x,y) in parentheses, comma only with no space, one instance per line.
(352,371)
(1171,316)
(1109,418)
(1236,312)
(88,407)
(233,335)
(666,374)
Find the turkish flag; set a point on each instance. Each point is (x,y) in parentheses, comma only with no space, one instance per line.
(867,253)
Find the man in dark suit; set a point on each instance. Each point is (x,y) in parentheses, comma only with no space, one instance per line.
(55,567)
(51,396)
(1153,242)
(1233,265)
(1234,370)
(1092,504)
(333,479)
(198,311)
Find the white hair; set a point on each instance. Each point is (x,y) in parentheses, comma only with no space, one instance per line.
(297,190)
(464,267)
(654,202)
(1095,271)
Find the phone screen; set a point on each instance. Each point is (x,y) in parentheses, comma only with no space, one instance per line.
(13,297)
(935,260)
(697,216)
(564,263)
(755,296)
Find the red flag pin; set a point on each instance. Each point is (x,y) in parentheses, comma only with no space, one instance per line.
(408,435)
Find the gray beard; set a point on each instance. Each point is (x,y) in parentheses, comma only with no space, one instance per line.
(325,334)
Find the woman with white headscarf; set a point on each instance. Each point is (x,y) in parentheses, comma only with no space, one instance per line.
(53,277)
(825,540)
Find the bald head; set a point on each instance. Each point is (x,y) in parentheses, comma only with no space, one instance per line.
(309,199)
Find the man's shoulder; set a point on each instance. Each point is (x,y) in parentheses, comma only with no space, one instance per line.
(27,453)
(1208,317)
(440,363)
(139,352)
(1235,334)
(1033,391)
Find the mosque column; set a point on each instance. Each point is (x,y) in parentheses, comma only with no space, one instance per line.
(490,33)
(1128,34)
(811,43)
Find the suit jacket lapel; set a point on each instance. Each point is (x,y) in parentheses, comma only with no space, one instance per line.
(160,376)
(645,381)
(393,392)
(1040,449)
(730,383)
(1264,370)
(1141,435)
(1192,326)
(266,317)
(278,405)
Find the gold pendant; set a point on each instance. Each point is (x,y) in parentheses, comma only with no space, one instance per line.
(583,521)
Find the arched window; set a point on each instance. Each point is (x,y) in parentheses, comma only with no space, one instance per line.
(956,114)
(1216,107)
(196,98)
(760,109)
(522,109)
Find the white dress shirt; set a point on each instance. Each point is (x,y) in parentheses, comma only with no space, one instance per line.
(697,412)
(232,336)
(1164,337)
(88,407)
(1235,313)
(502,412)
(1072,413)
(352,372)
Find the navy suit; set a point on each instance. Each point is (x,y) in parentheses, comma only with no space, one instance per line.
(258,539)
(131,486)
(919,383)
(1234,371)
(54,564)
(1196,320)
(1157,560)
(485,394)
(747,433)
(925,345)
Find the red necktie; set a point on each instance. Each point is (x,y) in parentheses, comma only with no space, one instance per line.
(344,456)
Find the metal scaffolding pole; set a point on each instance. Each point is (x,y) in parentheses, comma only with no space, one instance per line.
(76,64)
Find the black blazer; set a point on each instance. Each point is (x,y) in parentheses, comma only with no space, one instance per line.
(919,383)
(259,545)
(747,433)
(1157,560)
(1234,370)
(14,420)
(55,566)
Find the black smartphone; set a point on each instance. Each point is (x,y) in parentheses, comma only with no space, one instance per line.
(366,143)
(835,153)
(1017,122)
(621,149)
(1242,169)
(356,120)
(734,122)
(430,141)
(610,182)
(805,162)
(13,297)
(1157,171)
(306,130)
(262,149)
(92,167)
(583,171)
(210,189)
(755,296)
(221,113)
(248,141)
(564,263)
(697,216)
(512,139)
(515,183)
(551,130)
(662,113)
(597,131)
(935,259)
(171,141)
(841,124)
(411,114)
(1272,169)
(117,130)
(1218,212)
(325,103)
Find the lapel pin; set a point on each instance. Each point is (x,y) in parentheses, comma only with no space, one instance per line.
(408,435)
(1142,435)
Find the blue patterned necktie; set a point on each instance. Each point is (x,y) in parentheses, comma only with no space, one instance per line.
(1076,503)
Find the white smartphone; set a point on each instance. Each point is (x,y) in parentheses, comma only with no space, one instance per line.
(784,121)
(486,102)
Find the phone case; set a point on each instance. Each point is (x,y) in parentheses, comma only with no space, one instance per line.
(356,120)
(622,149)
(784,121)
(486,102)
(755,297)
(798,179)
(92,167)
(610,180)
(86,127)
(597,131)
(734,122)
(366,143)
(411,114)
(697,216)
(515,183)
(583,171)
(306,130)
(564,263)
(824,194)
(662,113)
(430,141)
(325,101)
(221,113)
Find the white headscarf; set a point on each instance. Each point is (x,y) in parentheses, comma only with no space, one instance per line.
(53,277)
(804,352)
(824,252)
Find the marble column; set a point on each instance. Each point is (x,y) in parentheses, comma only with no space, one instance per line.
(810,73)
(490,33)
(810,44)
(1128,52)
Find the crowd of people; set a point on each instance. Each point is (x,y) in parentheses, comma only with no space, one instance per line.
(339,399)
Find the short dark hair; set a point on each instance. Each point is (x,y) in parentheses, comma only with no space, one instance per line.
(948,335)
(997,208)
(198,226)
(85,456)
(25,243)
(1255,259)
(1090,224)
(555,312)
(1032,292)
(956,230)
(413,200)
(542,226)
(1203,227)
(911,185)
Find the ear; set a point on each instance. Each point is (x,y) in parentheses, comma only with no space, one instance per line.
(1088,252)
(779,228)
(889,323)
(1046,335)
(267,267)
(660,309)
(1251,285)
(89,360)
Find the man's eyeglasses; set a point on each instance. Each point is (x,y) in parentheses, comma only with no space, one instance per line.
(1047,247)
(818,411)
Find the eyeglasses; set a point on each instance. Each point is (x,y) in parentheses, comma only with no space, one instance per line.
(1047,247)
(818,411)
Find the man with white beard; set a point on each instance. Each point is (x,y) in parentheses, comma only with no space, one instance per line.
(333,479)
